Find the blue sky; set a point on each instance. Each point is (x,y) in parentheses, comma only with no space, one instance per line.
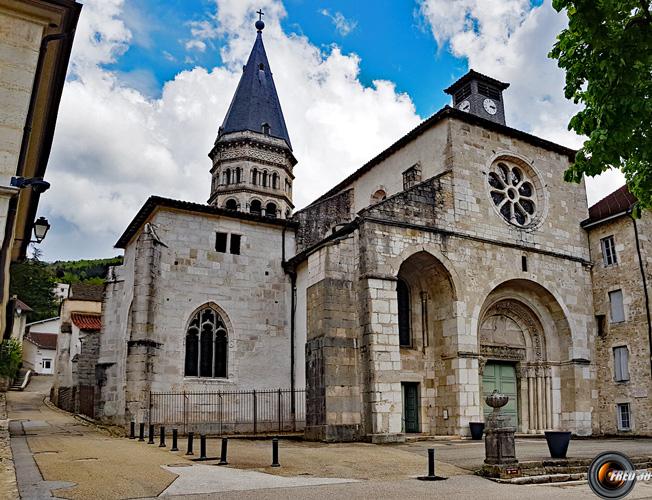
(150,82)
(393,41)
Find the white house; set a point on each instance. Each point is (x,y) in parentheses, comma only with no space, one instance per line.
(40,345)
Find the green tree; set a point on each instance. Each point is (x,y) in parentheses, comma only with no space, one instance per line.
(33,282)
(606,52)
(10,357)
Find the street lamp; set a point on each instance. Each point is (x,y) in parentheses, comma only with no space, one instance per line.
(37,184)
(41,228)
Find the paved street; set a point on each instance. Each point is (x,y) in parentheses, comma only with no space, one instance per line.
(57,455)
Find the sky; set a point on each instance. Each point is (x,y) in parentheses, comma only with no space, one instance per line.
(149,83)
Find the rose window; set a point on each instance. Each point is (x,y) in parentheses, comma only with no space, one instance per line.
(513,194)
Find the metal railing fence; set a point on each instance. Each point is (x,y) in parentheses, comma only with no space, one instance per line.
(230,412)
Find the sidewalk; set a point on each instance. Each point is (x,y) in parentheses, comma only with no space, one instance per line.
(59,455)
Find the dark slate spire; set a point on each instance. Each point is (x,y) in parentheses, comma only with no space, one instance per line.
(255,101)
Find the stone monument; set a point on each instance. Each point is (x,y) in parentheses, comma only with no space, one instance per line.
(499,435)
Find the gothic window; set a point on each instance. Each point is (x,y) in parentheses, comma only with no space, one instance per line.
(270,210)
(231,204)
(403,296)
(378,196)
(206,345)
(266,128)
(254,176)
(275,180)
(513,193)
(256,207)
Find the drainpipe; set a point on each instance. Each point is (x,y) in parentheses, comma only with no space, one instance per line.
(293,288)
(645,292)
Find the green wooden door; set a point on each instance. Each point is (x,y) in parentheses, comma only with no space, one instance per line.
(411,407)
(501,376)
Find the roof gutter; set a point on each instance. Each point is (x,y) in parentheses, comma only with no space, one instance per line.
(587,224)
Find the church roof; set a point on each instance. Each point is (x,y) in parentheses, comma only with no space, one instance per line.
(424,126)
(255,101)
(154,202)
(617,203)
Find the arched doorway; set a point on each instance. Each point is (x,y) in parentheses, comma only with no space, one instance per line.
(522,335)
(426,325)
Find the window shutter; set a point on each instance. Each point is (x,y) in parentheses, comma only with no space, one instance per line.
(617,311)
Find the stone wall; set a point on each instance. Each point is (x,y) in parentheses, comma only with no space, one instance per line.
(171,273)
(317,221)
(632,333)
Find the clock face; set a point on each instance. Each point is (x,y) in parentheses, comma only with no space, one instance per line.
(464,106)
(490,106)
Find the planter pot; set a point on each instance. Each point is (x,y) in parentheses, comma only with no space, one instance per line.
(558,443)
(477,428)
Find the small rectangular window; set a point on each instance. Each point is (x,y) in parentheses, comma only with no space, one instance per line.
(524,263)
(599,319)
(235,244)
(220,242)
(621,364)
(616,304)
(608,251)
(624,417)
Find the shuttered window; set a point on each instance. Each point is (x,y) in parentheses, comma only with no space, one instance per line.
(616,304)
(621,364)
(609,251)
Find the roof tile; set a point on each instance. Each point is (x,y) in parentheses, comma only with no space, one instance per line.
(86,321)
(43,340)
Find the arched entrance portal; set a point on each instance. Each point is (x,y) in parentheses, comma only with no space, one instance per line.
(522,335)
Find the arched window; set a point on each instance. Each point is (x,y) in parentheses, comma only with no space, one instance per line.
(231,204)
(266,128)
(228,176)
(254,176)
(206,345)
(265,178)
(275,180)
(238,173)
(403,297)
(379,195)
(270,210)
(256,207)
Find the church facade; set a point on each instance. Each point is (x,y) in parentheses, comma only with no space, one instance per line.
(451,264)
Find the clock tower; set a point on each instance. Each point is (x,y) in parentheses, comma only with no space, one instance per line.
(480,95)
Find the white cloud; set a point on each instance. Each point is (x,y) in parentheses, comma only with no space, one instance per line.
(196,45)
(510,40)
(115,146)
(343,25)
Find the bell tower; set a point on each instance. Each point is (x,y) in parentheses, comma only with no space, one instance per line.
(252,156)
(479,95)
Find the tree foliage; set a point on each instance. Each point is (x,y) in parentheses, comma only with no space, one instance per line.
(11,357)
(606,52)
(84,271)
(33,282)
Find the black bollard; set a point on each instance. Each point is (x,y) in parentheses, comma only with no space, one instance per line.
(161,443)
(174,441)
(132,430)
(431,468)
(225,443)
(151,434)
(141,432)
(190,436)
(202,447)
(275,453)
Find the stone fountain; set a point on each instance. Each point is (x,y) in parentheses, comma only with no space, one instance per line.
(499,435)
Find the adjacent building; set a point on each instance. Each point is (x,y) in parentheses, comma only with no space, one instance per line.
(621,254)
(36,38)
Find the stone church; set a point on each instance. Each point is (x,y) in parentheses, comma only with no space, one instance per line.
(452,263)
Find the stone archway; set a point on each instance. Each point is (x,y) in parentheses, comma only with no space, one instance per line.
(511,335)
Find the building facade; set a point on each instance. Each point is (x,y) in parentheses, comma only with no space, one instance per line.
(451,264)
(621,256)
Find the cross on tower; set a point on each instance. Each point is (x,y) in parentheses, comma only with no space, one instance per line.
(260,15)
